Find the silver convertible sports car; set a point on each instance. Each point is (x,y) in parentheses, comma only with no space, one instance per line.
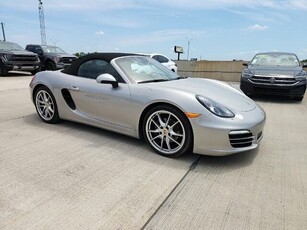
(137,96)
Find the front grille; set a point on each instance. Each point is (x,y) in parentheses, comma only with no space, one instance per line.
(24,58)
(241,138)
(68,60)
(273,80)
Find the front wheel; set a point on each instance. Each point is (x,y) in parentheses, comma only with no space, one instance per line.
(46,106)
(298,98)
(3,70)
(167,131)
(50,66)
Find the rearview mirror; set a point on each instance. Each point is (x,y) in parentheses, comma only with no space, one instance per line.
(107,79)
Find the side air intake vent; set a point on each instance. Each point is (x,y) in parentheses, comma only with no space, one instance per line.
(68,99)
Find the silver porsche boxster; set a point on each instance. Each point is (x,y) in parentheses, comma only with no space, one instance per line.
(137,96)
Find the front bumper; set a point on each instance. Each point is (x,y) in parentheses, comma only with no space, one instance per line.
(249,87)
(26,66)
(223,136)
(62,65)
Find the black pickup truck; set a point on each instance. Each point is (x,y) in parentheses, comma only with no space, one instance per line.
(14,57)
(52,57)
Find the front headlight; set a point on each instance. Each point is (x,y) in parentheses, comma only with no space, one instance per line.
(214,107)
(247,73)
(302,76)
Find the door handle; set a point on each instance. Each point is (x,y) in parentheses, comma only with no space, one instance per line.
(74,88)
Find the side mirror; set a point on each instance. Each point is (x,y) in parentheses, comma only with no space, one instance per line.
(245,64)
(106,78)
(40,52)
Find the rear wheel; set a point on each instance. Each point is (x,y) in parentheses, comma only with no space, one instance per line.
(46,106)
(167,131)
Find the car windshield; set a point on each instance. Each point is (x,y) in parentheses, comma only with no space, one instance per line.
(142,69)
(8,46)
(270,59)
(53,49)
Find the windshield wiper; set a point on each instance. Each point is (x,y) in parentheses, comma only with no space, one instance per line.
(154,80)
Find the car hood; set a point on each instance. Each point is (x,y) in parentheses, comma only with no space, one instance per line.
(275,71)
(60,55)
(20,52)
(218,91)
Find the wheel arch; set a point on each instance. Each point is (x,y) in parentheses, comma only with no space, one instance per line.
(155,104)
(36,88)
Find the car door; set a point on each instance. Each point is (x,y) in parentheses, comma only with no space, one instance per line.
(101,102)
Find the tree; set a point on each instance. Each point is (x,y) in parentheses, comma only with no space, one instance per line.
(80,54)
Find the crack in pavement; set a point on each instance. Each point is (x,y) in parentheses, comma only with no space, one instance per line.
(191,168)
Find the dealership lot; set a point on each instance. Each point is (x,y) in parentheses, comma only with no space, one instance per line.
(72,176)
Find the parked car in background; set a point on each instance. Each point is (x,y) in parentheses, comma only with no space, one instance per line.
(137,96)
(274,73)
(52,57)
(164,61)
(14,57)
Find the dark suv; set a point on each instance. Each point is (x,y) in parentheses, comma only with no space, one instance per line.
(14,57)
(52,57)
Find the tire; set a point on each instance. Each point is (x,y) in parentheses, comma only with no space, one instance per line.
(298,98)
(167,131)
(50,65)
(46,106)
(3,70)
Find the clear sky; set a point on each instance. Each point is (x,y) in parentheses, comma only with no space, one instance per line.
(217,30)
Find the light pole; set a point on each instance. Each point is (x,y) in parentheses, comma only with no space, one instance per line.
(3,33)
(189,41)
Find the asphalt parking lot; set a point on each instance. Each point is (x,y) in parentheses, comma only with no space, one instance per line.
(72,176)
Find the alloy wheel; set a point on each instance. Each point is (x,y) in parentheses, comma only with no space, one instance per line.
(165,132)
(45,105)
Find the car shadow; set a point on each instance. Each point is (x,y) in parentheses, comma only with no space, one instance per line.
(230,162)
(97,138)
(17,74)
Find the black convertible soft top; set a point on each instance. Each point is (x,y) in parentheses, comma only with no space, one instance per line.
(73,68)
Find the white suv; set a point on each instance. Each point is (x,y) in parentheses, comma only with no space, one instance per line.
(164,61)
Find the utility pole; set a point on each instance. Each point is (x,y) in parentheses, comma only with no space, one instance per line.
(42,22)
(189,41)
(2,25)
